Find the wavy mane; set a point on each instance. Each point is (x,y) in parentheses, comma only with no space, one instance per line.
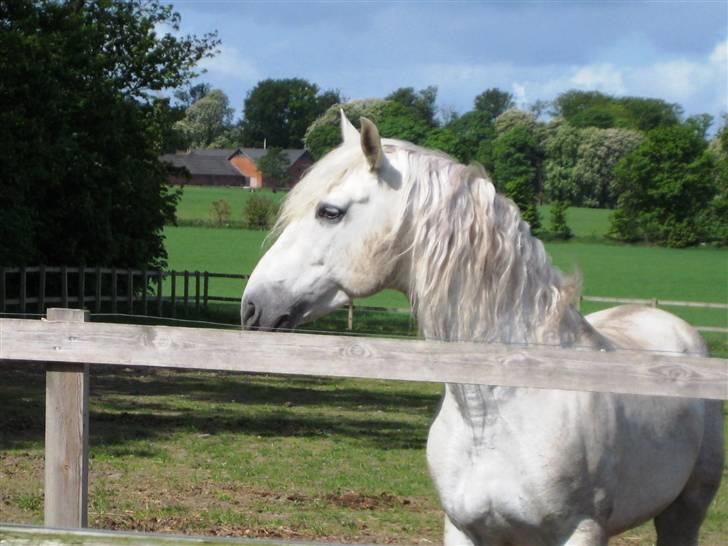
(477,273)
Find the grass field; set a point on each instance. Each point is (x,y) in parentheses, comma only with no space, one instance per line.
(197,200)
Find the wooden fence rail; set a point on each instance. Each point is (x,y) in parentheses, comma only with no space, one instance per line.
(69,346)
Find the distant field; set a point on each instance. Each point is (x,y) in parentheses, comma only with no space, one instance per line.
(196,201)
(607,269)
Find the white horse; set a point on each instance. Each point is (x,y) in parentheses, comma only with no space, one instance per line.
(513,466)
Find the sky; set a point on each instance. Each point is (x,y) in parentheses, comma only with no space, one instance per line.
(672,50)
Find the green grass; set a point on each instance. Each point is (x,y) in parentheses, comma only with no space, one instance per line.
(194,206)
(699,274)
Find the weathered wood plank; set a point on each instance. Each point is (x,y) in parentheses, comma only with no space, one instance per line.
(345,356)
(18,535)
(66,437)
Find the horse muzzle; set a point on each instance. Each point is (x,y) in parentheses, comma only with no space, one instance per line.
(260,310)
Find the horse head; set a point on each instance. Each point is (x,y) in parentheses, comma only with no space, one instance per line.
(335,238)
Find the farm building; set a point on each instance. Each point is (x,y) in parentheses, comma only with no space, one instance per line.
(233,167)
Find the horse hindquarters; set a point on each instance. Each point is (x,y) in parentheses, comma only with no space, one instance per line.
(679,524)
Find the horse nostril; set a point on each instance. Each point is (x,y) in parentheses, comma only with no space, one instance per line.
(283,323)
(251,314)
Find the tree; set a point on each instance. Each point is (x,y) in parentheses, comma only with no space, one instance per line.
(561,149)
(493,102)
(598,153)
(422,102)
(664,184)
(207,120)
(558,228)
(82,127)
(595,109)
(392,118)
(279,111)
(474,132)
(274,167)
(516,163)
(188,97)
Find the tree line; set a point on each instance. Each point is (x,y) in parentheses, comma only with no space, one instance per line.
(641,157)
(95,91)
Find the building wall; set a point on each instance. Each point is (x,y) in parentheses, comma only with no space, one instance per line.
(297,170)
(206,180)
(246,166)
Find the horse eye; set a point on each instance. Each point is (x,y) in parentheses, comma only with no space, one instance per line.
(329,212)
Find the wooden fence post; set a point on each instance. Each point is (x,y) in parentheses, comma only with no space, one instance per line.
(145,287)
(173,293)
(97,288)
(206,289)
(64,286)
(160,286)
(114,283)
(350,321)
(66,437)
(81,287)
(41,289)
(2,289)
(197,293)
(130,291)
(23,291)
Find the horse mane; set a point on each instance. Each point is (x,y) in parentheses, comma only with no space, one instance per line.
(477,272)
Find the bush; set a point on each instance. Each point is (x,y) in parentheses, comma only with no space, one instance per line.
(559,228)
(259,212)
(220,212)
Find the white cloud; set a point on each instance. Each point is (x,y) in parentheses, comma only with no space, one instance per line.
(719,55)
(519,94)
(231,64)
(599,77)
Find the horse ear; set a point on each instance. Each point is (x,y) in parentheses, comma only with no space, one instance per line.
(349,134)
(371,144)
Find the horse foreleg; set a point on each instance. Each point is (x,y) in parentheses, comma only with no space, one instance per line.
(453,535)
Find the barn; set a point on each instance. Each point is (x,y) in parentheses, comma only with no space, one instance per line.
(232,167)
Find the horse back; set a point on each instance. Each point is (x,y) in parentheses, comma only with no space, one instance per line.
(637,327)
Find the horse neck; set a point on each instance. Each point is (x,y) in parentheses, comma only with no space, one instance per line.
(476,272)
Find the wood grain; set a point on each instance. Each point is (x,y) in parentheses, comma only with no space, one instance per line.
(347,356)
(66,437)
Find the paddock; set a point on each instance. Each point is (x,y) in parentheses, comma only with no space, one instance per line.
(69,346)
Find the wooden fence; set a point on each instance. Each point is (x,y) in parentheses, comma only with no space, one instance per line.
(128,290)
(143,292)
(69,345)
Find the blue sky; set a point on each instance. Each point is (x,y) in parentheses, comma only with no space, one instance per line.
(674,50)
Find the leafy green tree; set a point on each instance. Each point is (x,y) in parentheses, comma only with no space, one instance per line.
(443,139)
(598,153)
(474,132)
(82,127)
(274,167)
(517,158)
(280,111)
(558,227)
(422,102)
(392,118)
(595,109)
(207,120)
(561,150)
(714,219)
(664,185)
(493,102)
(188,97)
